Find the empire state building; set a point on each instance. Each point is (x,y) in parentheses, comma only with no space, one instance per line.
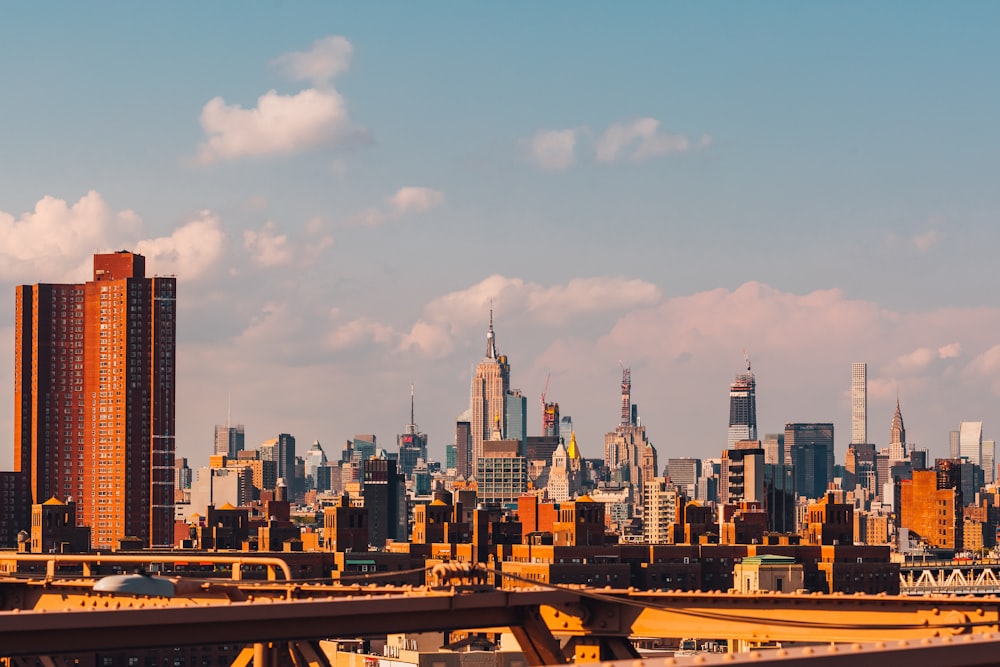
(489,395)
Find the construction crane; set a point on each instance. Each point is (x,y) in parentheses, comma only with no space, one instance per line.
(546,389)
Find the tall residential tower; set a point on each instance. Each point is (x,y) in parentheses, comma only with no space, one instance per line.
(94,398)
(859,403)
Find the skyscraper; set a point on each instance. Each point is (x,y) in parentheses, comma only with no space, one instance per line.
(281,450)
(970,442)
(989,456)
(628,455)
(490,385)
(384,491)
(897,436)
(94,396)
(229,440)
(412,444)
(809,449)
(742,408)
(516,419)
(859,403)
(953,444)
(774,448)
(463,445)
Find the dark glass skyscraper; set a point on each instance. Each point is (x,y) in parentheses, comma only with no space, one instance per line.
(809,450)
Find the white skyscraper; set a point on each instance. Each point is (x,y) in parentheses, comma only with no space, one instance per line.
(859,403)
(970,442)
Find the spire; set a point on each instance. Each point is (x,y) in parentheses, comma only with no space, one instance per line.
(573,451)
(897,432)
(491,343)
(411,428)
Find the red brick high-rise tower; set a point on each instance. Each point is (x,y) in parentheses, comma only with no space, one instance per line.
(94,384)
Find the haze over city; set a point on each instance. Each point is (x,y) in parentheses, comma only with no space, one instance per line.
(342,190)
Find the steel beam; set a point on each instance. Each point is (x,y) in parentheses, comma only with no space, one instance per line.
(28,633)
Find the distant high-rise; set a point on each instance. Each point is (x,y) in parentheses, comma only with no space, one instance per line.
(741,475)
(516,419)
(550,419)
(281,450)
(742,408)
(490,385)
(565,429)
(774,448)
(859,403)
(628,455)
(809,449)
(412,444)
(94,398)
(384,491)
(970,442)
(954,438)
(684,472)
(897,436)
(314,460)
(989,461)
(463,445)
(229,440)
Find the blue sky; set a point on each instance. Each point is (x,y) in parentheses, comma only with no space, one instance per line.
(341,189)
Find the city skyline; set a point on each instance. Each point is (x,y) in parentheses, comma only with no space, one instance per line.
(586,170)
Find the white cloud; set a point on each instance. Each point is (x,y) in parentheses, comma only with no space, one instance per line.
(950,351)
(921,359)
(189,251)
(311,119)
(915,361)
(359,331)
(553,149)
(325,59)
(266,246)
(278,125)
(641,139)
(409,199)
(55,241)
(415,199)
(635,140)
(430,340)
